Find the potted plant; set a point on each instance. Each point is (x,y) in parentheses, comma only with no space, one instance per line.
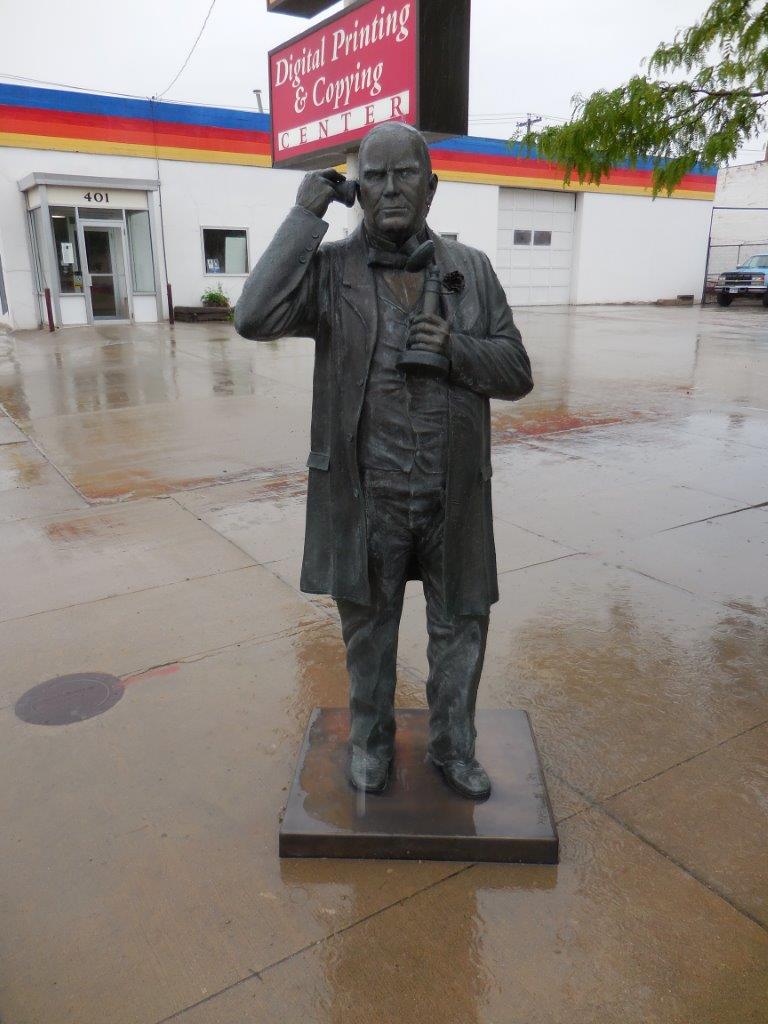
(215,297)
(214,305)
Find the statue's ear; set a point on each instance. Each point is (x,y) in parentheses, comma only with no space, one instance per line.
(433,179)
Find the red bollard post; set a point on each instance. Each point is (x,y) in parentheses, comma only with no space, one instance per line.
(49,310)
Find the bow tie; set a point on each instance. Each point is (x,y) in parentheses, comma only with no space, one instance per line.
(384,254)
(383,258)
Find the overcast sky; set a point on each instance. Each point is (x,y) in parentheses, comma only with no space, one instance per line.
(524,57)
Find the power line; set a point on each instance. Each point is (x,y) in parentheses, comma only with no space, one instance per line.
(77,88)
(92,91)
(189,55)
(499,118)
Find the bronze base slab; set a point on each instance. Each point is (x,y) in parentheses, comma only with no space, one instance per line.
(418,817)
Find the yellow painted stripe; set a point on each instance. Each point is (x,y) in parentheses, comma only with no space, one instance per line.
(208,156)
(132,149)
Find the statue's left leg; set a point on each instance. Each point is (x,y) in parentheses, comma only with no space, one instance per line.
(455,652)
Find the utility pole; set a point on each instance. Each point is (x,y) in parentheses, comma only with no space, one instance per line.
(530,120)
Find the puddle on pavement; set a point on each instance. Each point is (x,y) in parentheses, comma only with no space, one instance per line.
(20,466)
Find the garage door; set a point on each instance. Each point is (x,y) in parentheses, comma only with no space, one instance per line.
(535,245)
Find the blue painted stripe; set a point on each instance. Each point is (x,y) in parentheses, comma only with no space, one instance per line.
(119,106)
(479,146)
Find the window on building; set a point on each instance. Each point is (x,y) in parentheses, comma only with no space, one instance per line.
(542,238)
(67,253)
(225,250)
(521,237)
(3,297)
(140,249)
(95,213)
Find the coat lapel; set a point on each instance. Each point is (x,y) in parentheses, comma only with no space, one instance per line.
(456,305)
(359,314)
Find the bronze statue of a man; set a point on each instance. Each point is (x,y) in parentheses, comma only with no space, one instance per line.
(399,467)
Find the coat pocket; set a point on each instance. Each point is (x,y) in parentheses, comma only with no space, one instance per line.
(318,460)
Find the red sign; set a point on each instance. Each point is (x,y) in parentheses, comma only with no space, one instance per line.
(332,84)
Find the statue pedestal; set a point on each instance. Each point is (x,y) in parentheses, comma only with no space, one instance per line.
(419,817)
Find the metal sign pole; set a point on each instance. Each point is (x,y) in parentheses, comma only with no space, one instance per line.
(354,213)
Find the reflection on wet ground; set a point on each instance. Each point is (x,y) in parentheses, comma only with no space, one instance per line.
(151,524)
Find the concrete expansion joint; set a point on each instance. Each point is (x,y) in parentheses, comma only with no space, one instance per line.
(546,561)
(29,439)
(602,806)
(257,640)
(686,760)
(131,593)
(684,868)
(259,974)
(207,999)
(719,515)
(746,611)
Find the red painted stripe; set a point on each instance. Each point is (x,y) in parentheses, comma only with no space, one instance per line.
(545,172)
(512,165)
(459,156)
(52,124)
(505,161)
(142,138)
(619,176)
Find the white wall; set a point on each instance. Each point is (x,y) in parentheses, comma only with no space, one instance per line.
(469,211)
(197,195)
(636,249)
(745,185)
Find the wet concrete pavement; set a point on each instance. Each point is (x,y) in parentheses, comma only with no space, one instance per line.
(151,520)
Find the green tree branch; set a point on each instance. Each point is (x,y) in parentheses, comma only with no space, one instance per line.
(719,103)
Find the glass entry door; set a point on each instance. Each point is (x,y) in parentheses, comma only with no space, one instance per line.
(105,265)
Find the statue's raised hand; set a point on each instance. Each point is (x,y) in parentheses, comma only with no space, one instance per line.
(317,190)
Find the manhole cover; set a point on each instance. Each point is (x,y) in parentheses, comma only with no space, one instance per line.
(68,699)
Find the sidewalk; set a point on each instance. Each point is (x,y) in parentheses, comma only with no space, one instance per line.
(151,528)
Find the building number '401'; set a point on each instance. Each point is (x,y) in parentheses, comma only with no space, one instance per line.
(96,197)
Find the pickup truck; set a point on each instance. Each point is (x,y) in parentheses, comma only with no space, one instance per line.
(751,278)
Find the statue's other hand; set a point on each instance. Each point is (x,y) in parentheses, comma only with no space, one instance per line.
(430,333)
(317,190)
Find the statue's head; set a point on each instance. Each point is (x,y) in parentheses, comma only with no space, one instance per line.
(396,181)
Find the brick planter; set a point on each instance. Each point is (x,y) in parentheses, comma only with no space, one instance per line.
(201,314)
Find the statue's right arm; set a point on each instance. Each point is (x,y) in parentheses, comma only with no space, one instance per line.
(281,294)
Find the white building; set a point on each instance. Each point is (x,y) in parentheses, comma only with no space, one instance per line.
(105,201)
(739,216)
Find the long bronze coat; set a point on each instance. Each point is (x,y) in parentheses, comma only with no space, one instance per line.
(328,293)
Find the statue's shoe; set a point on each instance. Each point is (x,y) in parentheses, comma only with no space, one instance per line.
(468,778)
(368,772)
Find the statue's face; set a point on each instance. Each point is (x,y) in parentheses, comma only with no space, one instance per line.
(395,186)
